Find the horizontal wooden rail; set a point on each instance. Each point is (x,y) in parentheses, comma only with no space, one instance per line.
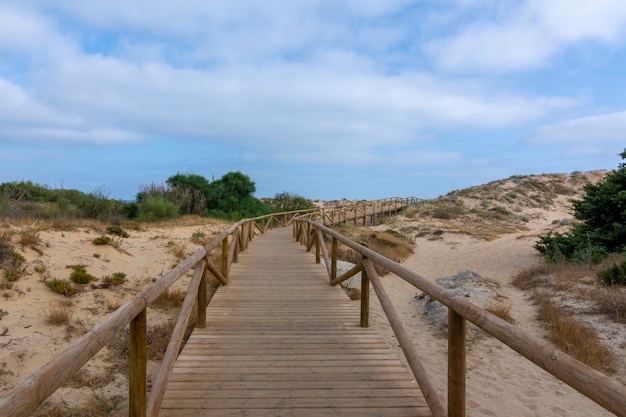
(607,392)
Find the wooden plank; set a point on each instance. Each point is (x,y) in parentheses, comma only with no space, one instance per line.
(280,341)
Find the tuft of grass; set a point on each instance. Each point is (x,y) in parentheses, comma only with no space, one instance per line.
(116,278)
(117,231)
(573,337)
(80,275)
(29,239)
(61,286)
(101,240)
(200,238)
(170,298)
(179,250)
(39,268)
(12,274)
(94,406)
(611,300)
(59,313)
(501,309)
(113,305)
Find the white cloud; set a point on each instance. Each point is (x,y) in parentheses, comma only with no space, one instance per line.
(593,132)
(529,34)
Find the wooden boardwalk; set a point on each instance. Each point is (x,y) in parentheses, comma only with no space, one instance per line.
(281,341)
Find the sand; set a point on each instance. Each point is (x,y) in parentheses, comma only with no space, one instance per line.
(500,382)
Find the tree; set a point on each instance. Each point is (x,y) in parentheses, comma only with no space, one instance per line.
(289,202)
(189,192)
(602,212)
(231,197)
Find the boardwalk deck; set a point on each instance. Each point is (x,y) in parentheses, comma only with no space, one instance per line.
(280,341)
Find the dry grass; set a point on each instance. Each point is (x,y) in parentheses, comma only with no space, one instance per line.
(59,313)
(170,298)
(179,250)
(578,281)
(573,337)
(501,309)
(113,305)
(94,406)
(388,243)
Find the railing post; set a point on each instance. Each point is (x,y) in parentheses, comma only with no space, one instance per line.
(318,249)
(138,366)
(333,259)
(202,301)
(365,298)
(225,257)
(456,364)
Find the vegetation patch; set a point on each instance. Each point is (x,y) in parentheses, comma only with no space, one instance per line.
(117,278)
(61,286)
(573,337)
(80,275)
(59,313)
(117,231)
(170,298)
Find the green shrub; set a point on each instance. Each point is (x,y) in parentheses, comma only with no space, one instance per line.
(101,240)
(117,278)
(615,274)
(80,275)
(602,212)
(12,274)
(156,208)
(61,286)
(117,231)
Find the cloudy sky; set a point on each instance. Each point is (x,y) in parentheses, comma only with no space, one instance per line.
(325,98)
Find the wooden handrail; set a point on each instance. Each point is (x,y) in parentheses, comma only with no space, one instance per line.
(605,391)
(30,393)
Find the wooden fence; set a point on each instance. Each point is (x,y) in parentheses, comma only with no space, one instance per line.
(207,277)
(602,389)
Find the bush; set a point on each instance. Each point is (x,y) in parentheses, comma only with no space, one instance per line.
(101,240)
(615,274)
(602,212)
(80,275)
(117,231)
(61,286)
(117,278)
(156,208)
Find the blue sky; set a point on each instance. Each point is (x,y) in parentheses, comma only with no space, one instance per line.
(325,98)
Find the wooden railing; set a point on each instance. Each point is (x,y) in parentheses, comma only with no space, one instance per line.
(605,391)
(206,279)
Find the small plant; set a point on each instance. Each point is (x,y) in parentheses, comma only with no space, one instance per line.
(102,240)
(59,313)
(117,278)
(96,255)
(178,250)
(169,298)
(12,274)
(113,305)
(39,268)
(5,285)
(117,231)
(501,309)
(615,274)
(61,286)
(199,238)
(80,275)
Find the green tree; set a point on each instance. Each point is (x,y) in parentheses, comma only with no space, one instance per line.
(231,197)
(289,202)
(602,230)
(189,192)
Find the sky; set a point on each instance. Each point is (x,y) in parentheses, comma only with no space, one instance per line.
(327,99)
